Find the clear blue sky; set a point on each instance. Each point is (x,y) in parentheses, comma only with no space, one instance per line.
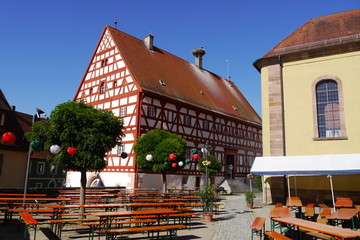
(46,45)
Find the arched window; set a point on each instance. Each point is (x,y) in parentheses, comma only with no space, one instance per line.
(328,112)
(329,122)
(102,87)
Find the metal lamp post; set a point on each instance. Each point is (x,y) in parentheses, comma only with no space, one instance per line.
(36,116)
(206,150)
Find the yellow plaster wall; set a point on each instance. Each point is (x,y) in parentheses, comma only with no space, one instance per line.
(299,122)
(299,125)
(13,169)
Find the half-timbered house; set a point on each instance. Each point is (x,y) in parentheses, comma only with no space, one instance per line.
(151,88)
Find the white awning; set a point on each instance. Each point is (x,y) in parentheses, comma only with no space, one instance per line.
(307,165)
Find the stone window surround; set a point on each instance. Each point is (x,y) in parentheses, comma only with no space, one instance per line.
(341,108)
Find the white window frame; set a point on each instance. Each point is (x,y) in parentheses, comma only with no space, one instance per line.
(40,168)
(123,111)
(152,111)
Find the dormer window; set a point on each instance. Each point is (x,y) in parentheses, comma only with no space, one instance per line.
(162,83)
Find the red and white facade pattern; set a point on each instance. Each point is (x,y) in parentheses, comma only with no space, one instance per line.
(109,84)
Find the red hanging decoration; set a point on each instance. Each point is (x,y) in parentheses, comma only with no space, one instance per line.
(71,151)
(172,156)
(8,138)
(195,156)
(174,165)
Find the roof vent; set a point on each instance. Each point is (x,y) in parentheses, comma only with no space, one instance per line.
(162,83)
(198,54)
(149,42)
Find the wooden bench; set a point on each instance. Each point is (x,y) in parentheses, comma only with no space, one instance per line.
(67,214)
(325,212)
(170,230)
(257,227)
(184,218)
(29,210)
(309,212)
(318,235)
(277,236)
(96,224)
(60,223)
(30,222)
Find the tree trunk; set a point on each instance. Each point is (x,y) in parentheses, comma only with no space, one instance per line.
(82,191)
(164,182)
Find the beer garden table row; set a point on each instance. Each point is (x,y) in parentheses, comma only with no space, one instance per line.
(281,216)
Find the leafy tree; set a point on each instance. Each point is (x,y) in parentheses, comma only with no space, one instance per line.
(159,144)
(212,168)
(90,131)
(258,182)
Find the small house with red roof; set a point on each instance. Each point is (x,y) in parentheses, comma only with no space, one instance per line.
(14,156)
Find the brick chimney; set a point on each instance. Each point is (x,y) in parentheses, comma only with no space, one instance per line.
(149,42)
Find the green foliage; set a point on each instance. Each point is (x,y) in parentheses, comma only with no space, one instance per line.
(258,182)
(74,124)
(160,144)
(249,197)
(213,168)
(207,196)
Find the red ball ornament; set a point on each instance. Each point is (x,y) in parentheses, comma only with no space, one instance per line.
(71,151)
(195,156)
(172,156)
(174,165)
(8,138)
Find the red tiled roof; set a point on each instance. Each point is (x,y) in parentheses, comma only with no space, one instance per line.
(4,105)
(325,31)
(16,122)
(184,81)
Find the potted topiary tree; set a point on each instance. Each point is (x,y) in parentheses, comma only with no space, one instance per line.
(207,196)
(249,198)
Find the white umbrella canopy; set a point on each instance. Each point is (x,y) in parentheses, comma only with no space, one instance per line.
(337,164)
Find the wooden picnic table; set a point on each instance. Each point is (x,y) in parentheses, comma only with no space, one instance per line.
(59,209)
(106,218)
(173,205)
(75,197)
(344,214)
(278,212)
(334,231)
(9,202)
(23,195)
(166,200)
(342,202)
(295,203)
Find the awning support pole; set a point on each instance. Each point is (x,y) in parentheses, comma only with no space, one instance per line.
(288,183)
(332,191)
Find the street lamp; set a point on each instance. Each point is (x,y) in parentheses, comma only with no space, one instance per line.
(36,116)
(206,151)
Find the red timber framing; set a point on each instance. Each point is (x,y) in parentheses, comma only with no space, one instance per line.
(110,83)
(227,136)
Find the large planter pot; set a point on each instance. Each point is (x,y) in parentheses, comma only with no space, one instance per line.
(208,217)
(250,205)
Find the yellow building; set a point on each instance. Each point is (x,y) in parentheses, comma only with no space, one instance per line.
(310,103)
